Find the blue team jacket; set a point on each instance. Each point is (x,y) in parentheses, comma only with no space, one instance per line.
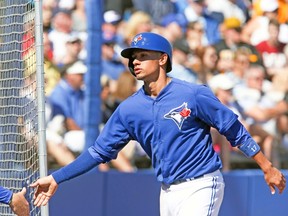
(173,129)
(5,195)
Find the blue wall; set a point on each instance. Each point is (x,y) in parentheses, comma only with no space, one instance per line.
(136,194)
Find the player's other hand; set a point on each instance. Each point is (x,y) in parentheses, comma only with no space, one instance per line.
(45,188)
(19,204)
(275,178)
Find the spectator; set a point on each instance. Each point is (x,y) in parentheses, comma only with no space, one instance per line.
(207,66)
(52,74)
(79,18)
(225,62)
(240,65)
(60,33)
(181,70)
(254,97)
(282,15)
(231,39)
(47,17)
(28,42)
(280,78)
(51,5)
(74,46)
(112,65)
(228,8)
(279,81)
(57,150)
(256,29)
(222,87)
(112,21)
(195,36)
(114,24)
(157,9)
(139,21)
(125,87)
(28,125)
(231,29)
(260,104)
(197,10)
(272,50)
(173,26)
(79,25)
(68,100)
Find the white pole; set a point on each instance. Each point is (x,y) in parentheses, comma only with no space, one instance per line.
(40,94)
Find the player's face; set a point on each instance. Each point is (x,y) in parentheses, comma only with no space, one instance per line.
(146,64)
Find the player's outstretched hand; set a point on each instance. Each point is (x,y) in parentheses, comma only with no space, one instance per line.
(45,189)
(275,178)
(19,204)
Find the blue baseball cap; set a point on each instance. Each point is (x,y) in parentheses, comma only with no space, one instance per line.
(108,37)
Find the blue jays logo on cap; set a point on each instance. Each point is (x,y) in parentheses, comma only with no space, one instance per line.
(179,114)
(137,38)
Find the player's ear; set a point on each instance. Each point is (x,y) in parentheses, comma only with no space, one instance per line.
(163,59)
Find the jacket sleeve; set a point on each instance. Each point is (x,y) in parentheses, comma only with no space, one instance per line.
(5,195)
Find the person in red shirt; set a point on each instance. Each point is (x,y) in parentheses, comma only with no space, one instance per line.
(272,50)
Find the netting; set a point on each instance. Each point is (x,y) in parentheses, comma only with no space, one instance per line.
(19,164)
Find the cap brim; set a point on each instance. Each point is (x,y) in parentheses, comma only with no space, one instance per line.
(127,53)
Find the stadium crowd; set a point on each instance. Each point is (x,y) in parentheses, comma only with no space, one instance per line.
(239,48)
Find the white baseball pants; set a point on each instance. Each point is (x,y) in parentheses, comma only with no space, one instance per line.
(198,197)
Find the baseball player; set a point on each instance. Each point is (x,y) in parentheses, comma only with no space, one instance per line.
(171,119)
(16,201)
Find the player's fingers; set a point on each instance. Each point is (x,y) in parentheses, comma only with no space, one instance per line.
(284,179)
(33,185)
(42,199)
(281,187)
(39,200)
(36,200)
(36,194)
(23,191)
(282,184)
(272,189)
(45,201)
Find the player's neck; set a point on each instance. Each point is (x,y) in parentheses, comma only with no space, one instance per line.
(154,88)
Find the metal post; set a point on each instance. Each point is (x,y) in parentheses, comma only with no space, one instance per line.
(40,94)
